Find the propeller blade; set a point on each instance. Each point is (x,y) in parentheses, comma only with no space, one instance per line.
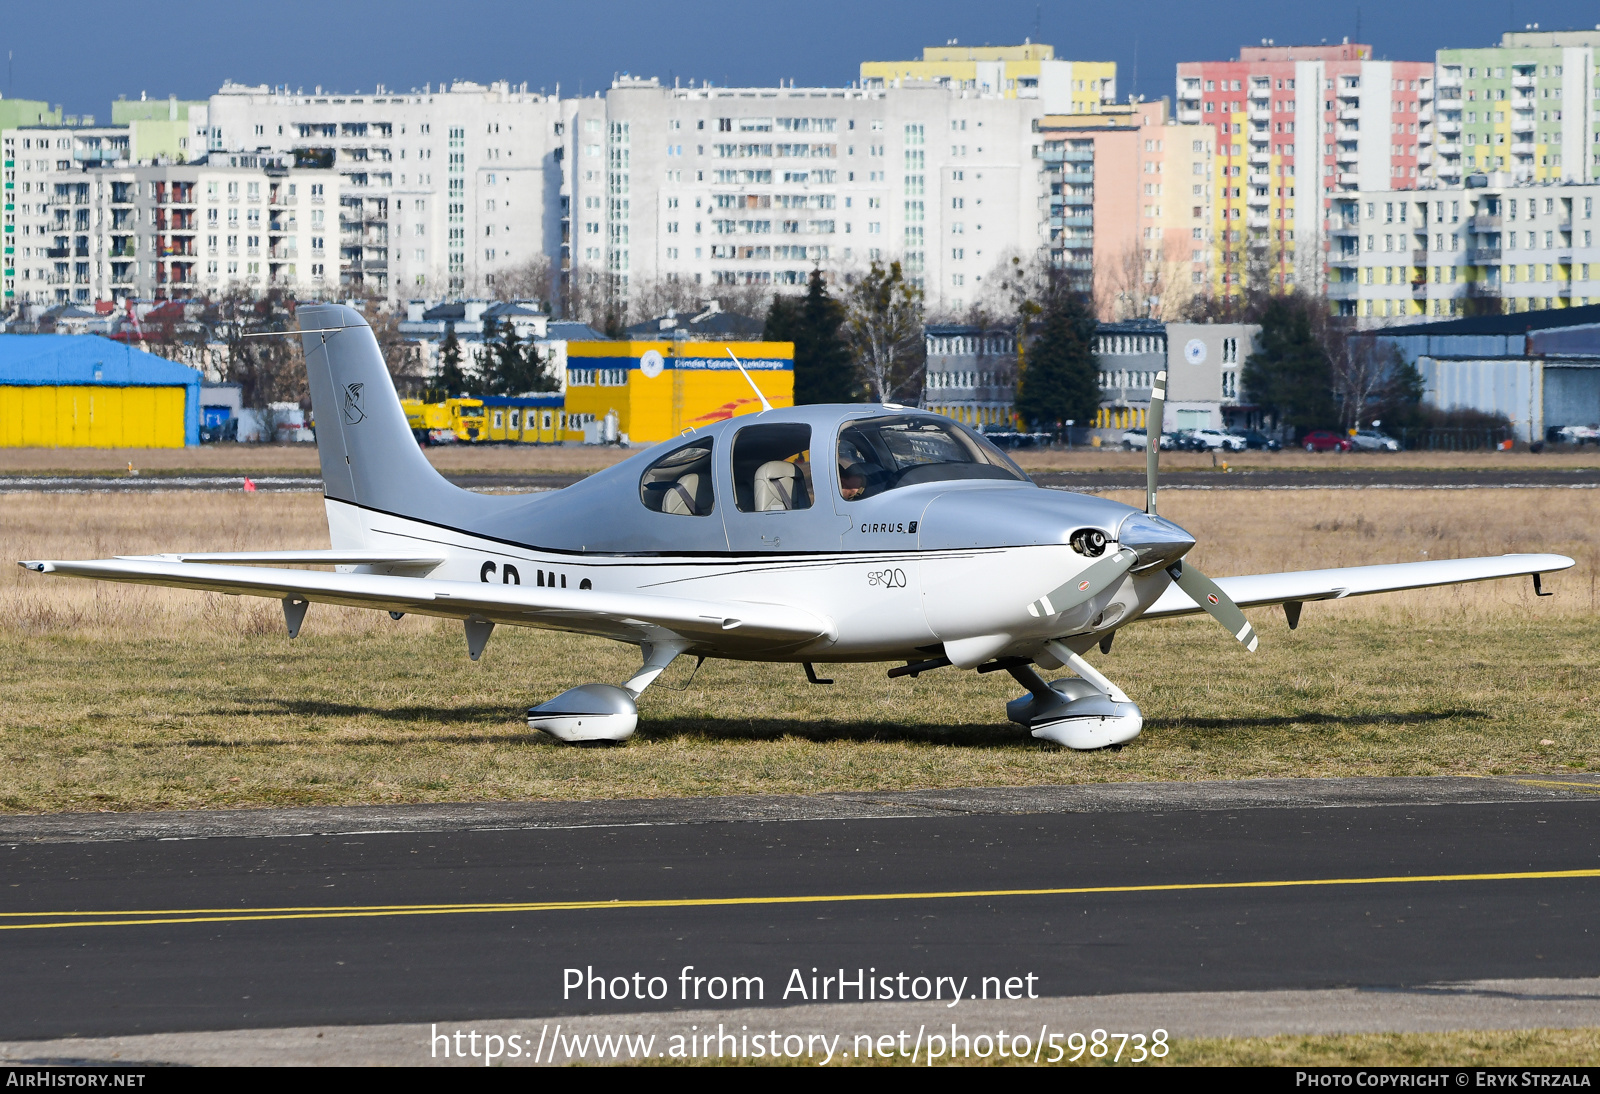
(1152,439)
(1090,583)
(1216,603)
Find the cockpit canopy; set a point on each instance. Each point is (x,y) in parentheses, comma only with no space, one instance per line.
(881,454)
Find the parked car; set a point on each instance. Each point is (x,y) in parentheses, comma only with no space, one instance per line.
(1211,439)
(1575,434)
(1134,440)
(1370,440)
(1257,440)
(1320,440)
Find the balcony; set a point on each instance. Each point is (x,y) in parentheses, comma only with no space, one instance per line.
(1522,81)
(1448,79)
(1261,91)
(1484,222)
(1260,179)
(1419,257)
(1425,115)
(1419,288)
(1448,148)
(58,252)
(1346,155)
(1344,227)
(1522,148)
(1259,158)
(1188,117)
(1343,258)
(1483,256)
(1260,114)
(1349,178)
(1521,124)
(1450,126)
(1259,221)
(1349,113)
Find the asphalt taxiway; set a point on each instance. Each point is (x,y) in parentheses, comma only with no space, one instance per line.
(155,923)
(1329,478)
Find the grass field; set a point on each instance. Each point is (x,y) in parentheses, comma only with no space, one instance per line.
(120,697)
(262,459)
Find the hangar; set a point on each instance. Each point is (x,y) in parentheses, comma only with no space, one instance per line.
(84,391)
(1540,369)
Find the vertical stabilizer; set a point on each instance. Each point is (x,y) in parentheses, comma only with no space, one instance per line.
(369,456)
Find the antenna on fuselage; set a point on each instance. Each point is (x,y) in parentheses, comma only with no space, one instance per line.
(747,379)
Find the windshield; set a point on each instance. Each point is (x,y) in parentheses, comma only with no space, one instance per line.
(881,454)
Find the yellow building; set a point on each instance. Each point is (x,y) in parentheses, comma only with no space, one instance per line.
(1028,71)
(83,391)
(660,389)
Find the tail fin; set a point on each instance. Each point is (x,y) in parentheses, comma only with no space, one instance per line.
(369,456)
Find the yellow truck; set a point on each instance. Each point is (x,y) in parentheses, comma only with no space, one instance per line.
(447,422)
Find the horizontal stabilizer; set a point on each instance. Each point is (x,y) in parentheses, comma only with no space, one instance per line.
(626,615)
(1257,589)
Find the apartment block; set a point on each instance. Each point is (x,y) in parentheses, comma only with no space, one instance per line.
(1453,251)
(441,190)
(1028,71)
(1129,194)
(111,228)
(1296,127)
(1526,107)
(756,186)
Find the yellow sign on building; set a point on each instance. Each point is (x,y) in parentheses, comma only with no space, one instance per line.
(658,390)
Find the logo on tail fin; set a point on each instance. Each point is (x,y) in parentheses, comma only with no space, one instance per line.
(353,412)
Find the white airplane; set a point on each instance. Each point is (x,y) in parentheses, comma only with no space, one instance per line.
(809,535)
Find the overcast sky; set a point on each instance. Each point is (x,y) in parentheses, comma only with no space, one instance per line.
(85,59)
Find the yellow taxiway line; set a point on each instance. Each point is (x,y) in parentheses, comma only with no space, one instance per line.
(251,915)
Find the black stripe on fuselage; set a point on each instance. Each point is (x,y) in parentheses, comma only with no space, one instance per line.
(685,558)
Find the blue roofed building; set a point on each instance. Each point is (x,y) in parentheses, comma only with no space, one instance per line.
(84,391)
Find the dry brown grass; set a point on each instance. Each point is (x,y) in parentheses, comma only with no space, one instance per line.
(257,458)
(121,697)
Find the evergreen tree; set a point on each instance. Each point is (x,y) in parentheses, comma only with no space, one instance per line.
(515,367)
(452,380)
(1290,375)
(1060,381)
(822,372)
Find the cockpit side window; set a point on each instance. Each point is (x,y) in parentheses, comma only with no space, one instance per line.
(881,454)
(679,483)
(772,468)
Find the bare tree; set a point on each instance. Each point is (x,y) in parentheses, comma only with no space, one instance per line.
(883,323)
(530,280)
(1369,377)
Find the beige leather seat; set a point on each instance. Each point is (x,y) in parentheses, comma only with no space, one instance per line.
(683,497)
(779,486)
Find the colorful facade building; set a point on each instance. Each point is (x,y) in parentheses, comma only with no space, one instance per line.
(1490,248)
(1525,107)
(1130,203)
(659,389)
(1296,127)
(1028,71)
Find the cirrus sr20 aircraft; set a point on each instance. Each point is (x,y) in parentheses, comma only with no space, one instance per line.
(807,535)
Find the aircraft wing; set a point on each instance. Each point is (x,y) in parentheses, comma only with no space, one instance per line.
(629,616)
(1302,585)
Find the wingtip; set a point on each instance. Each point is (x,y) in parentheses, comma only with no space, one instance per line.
(36,567)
